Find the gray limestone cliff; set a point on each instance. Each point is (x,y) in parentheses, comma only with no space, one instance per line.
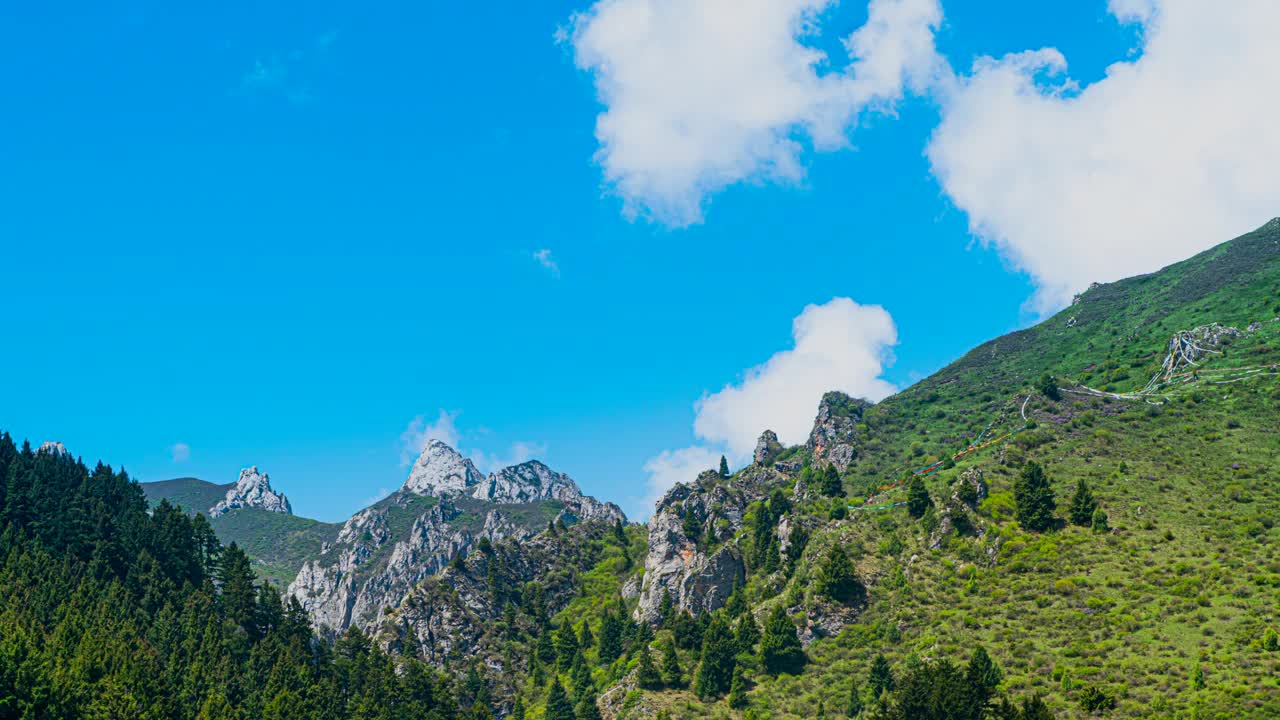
(252,490)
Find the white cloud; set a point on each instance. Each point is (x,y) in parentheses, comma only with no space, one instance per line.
(839,345)
(703,94)
(181,452)
(445,429)
(1169,154)
(544,258)
(419,432)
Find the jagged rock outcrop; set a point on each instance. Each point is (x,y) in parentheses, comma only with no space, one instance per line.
(52,447)
(442,512)
(252,490)
(677,561)
(440,470)
(834,438)
(767,448)
(455,614)
(532,482)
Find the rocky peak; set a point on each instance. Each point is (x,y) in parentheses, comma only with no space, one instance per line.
(527,482)
(52,447)
(441,470)
(252,490)
(835,431)
(767,448)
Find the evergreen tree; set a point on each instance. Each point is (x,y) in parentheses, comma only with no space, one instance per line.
(918,500)
(580,675)
(831,485)
(585,638)
(836,578)
(1048,386)
(1034,498)
(672,673)
(558,706)
(738,690)
(610,647)
(586,709)
(854,708)
(880,677)
(239,596)
(666,608)
(566,646)
(719,651)
(983,676)
(647,676)
(724,467)
(1099,523)
(780,650)
(517,709)
(747,634)
(1082,505)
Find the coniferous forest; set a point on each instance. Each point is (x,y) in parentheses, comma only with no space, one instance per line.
(108,610)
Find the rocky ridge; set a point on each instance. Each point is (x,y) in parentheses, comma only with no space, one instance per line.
(445,508)
(252,490)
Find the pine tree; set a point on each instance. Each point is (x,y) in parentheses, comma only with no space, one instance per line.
(854,708)
(738,690)
(880,677)
(610,647)
(666,608)
(780,649)
(831,485)
(585,638)
(566,646)
(586,709)
(1082,505)
(239,596)
(1099,523)
(724,467)
(836,578)
(1034,498)
(672,673)
(647,676)
(580,675)
(558,707)
(983,677)
(918,500)
(517,709)
(747,634)
(715,671)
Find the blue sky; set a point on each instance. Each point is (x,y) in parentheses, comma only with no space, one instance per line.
(278,233)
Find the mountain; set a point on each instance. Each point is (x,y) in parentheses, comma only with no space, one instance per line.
(1073,520)
(251,514)
(444,508)
(917,529)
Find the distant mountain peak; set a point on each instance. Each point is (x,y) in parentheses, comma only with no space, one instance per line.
(441,470)
(252,490)
(53,447)
(529,481)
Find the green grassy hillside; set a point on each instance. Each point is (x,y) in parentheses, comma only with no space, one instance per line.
(277,543)
(1167,611)
(190,494)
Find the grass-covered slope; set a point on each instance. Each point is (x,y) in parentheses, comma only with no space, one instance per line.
(191,494)
(1169,611)
(277,543)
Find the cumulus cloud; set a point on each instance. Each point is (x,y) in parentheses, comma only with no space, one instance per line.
(1167,155)
(445,429)
(839,345)
(181,452)
(703,94)
(419,432)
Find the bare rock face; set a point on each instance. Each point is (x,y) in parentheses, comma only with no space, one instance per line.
(532,481)
(52,447)
(252,490)
(834,438)
(440,470)
(442,512)
(767,448)
(678,563)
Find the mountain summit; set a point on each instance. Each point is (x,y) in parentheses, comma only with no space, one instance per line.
(252,490)
(441,470)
